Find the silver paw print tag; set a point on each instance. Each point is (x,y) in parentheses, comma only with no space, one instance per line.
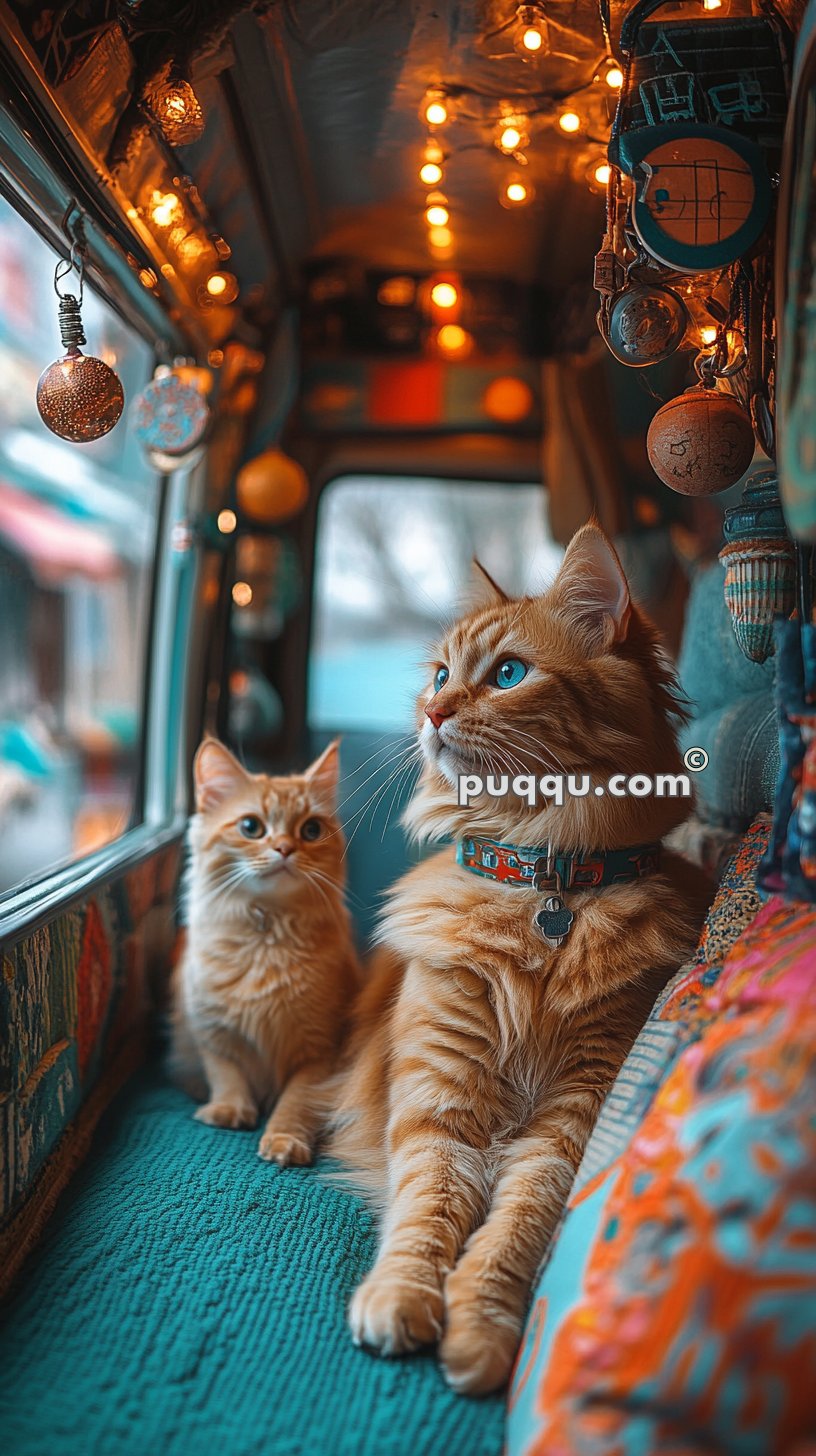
(554,922)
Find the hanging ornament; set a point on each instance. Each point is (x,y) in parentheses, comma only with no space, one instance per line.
(170,415)
(701,442)
(176,107)
(643,323)
(79,397)
(760,565)
(272,487)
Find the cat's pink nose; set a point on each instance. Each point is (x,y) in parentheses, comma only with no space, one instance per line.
(285,847)
(437,715)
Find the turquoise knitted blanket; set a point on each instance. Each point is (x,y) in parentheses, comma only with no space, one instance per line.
(189,1299)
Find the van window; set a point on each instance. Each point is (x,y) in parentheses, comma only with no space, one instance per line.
(77,546)
(392,565)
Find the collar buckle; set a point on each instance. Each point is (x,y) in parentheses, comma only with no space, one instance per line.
(548,876)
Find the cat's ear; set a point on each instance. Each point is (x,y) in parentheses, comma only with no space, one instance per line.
(592,590)
(323,776)
(217,774)
(484,591)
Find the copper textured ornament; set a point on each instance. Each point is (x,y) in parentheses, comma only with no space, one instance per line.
(760,566)
(700,443)
(79,398)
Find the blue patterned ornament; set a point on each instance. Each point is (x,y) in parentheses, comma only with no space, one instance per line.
(170,415)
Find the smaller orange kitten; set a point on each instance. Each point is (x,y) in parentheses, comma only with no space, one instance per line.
(269,971)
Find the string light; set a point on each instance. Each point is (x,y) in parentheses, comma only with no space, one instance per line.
(242,593)
(445,295)
(602,173)
(569,121)
(227,522)
(515,193)
(510,135)
(436,213)
(435,107)
(165,208)
(712,4)
(440,239)
(454,341)
(430,173)
(614,76)
(708,334)
(532,34)
(221,288)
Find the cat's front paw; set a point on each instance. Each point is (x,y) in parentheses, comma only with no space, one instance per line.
(282,1148)
(228,1114)
(482,1334)
(395,1314)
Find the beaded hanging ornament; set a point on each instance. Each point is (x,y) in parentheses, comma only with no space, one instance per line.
(79,397)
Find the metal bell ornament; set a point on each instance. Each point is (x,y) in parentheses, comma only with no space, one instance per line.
(171,415)
(700,443)
(79,397)
(760,566)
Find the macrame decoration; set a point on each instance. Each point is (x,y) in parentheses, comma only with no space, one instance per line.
(760,565)
(79,397)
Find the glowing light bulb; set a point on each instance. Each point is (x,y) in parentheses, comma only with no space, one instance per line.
(510,139)
(444,295)
(165,208)
(516,192)
(532,39)
(227,522)
(430,173)
(440,239)
(220,288)
(708,334)
(712,4)
(569,121)
(242,593)
(437,215)
(614,77)
(436,113)
(452,339)
(603,172)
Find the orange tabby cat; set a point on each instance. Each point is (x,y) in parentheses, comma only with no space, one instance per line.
(482,1053)
(269,970)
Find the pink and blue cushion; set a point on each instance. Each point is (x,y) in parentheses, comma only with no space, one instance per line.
(677,1311)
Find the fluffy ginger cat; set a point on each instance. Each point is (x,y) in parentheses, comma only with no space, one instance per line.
(268,973)
(482,1050)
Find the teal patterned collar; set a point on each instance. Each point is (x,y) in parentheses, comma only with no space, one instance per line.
(544,871)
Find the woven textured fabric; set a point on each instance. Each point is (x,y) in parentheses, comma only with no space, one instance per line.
(188,1297)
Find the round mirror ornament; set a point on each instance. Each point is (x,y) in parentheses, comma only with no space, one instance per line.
(171,414)
(647,323)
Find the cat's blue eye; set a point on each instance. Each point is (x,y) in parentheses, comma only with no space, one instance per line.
(510,672)
(441,678)
(252,827)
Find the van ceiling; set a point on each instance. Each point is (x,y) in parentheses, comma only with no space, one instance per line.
(349,79)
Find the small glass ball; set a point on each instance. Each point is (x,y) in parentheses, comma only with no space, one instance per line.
(178,109)
(79,397)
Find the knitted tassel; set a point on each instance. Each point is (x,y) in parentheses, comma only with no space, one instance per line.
(760,583)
